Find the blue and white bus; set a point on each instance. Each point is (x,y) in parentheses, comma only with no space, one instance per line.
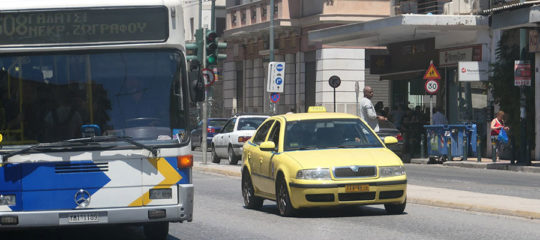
(94,112)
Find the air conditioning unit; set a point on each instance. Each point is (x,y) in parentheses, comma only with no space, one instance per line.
(465,7)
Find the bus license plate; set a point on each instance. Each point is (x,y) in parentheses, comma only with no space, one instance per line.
(83,217)
(357,188)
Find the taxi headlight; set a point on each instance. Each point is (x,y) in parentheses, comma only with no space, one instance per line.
(391,171)
(7,200)
(319,173)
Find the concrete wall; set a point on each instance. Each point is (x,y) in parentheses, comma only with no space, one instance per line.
(349,65)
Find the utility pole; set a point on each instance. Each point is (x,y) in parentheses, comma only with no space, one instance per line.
(204,131)
(524,152)
(271,43)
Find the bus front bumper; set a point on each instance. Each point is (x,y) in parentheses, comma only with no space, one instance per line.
(183,211)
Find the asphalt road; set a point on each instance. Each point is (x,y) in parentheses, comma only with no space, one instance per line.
(499,182)
(219,214)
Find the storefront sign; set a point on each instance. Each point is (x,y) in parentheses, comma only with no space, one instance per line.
(455,55)
(522,73)
(473,71)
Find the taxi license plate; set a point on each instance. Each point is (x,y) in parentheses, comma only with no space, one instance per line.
(83,217)
(357,188)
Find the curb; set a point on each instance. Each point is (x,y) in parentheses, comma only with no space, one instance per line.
(474,208)
(482,165)
(413,199)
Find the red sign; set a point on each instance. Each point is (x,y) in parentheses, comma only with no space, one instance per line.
(522,73)
(432,73)
(432,86)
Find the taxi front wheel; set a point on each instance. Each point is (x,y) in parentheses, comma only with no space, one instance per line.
(283,199)
(395,208)
(248,193)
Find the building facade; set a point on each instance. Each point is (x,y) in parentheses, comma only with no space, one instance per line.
(308,66)
(444,33)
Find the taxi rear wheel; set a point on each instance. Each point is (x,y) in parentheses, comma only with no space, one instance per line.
(283,199)
(248,193)
(395,208)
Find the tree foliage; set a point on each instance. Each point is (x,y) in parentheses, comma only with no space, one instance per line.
(505,94)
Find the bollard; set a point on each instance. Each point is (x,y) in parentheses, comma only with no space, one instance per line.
(478,155)
(449,143)
(465,146)
(422,146)
(493,150)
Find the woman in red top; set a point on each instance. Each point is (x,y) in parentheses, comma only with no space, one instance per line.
(496,125)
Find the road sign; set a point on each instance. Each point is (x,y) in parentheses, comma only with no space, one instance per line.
(276,77)
(334,81)
(208,76)
(274,97)
(432,73)
(432,86)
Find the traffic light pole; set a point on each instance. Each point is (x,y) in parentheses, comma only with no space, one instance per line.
(204,128)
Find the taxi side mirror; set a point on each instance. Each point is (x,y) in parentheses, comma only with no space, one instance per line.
(268,146)
(390,140)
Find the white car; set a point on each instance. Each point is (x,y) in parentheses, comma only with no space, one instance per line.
(228,143)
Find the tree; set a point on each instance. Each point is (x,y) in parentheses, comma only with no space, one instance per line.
(505,94)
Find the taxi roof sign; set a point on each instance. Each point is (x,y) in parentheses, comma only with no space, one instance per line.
(432,73)
(316,109)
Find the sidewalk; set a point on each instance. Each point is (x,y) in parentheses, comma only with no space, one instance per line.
(485,163)
(439,197)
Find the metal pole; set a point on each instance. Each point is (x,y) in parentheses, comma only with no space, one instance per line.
(431,110)
(271,43)
(200,14)
(334,99)
(204,131)
(213,16)
(523,158)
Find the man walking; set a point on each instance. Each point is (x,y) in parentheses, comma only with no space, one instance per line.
(367,111)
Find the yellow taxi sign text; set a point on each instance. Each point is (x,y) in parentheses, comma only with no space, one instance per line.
(316,109)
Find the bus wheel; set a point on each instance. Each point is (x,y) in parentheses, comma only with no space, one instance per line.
(156,230)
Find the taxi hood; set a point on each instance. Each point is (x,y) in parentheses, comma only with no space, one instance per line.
(328,158)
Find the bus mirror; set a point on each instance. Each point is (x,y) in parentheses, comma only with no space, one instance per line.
(196,82)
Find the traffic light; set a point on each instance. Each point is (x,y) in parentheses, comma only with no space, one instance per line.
(211,47)
(196,82)
(221,46)
(194,50)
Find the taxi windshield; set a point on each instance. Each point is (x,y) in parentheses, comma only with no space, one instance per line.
(328,133)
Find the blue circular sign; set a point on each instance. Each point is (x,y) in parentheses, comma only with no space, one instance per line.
(274,97)
(279,81)
(279,67)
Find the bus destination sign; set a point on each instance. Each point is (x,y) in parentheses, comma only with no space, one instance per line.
(83,26)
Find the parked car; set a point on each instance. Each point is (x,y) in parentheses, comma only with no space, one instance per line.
(386,129)
(229,142)
(214,126)
(320,159)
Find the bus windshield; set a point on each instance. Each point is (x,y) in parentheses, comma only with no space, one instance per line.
(48,97)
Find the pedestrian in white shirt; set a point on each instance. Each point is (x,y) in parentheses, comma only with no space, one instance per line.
(367,111)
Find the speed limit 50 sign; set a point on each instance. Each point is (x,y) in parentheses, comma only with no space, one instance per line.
(432,86)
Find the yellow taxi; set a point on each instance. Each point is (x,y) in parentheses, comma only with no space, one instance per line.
(319,159)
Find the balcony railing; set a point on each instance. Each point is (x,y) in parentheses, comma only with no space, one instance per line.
(420,7)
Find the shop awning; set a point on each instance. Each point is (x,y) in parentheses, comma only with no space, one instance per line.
(399,29)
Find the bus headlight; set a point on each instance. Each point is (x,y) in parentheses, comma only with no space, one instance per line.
(7,200)
(391,171)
